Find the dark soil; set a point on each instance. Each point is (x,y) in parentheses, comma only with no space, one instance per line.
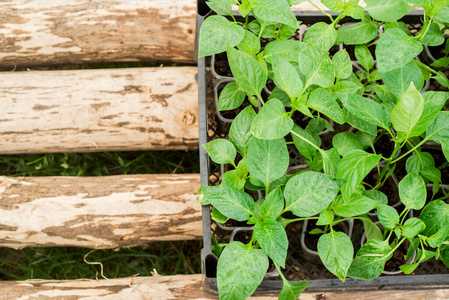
(270,85)
(243,236)
(397,260)
(383,146)
(389,188)
(311,240)
(221,65)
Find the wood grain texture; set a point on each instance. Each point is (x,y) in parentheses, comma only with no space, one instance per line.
(98,212)
(36,33)
(99,110)
(172,287)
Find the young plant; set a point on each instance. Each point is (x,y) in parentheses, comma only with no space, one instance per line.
(377,99)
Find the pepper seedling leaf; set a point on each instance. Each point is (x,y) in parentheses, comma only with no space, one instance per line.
(307,194)
(221,151)
(216,32)
(244,262)
(336,251)
(267,160)
(272,122)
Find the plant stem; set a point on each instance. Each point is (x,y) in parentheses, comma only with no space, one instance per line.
(330,17)
(314,146)
(299,219)
(410,151)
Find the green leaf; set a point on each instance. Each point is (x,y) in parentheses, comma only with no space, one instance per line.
(286,77)
(367,110)
(316,65)
(240,261)
(409,268)
(240,133)
(216,32)
(406,48)
(305,148)
(234,178)
(230,201)
(275,11)
(360,124)
(346,142)
(267,159)
(336,251)
(348,87)
(279,94)
(250,44)
(438,131)
(231,97)
(222,7)
(354,167)
(387,10)
(377,195)
(412,227)
(323,102)
(399,80)
(285,32)
(221,151)
(406,114)
(436,216)
(372,231)
(307,194)
(412,191)
(273,204)
(288,49)
(436,239)
(292,290)
(249,74)
(272,238)
(433,103)
(358,33)
(326,217)
(355,205)
(350,7)
(433,174)
(445,255)
(388,216)
(441,62)
(364,57)
(217,216)
(419,161)
(433,37)
(321,35)
(343,65)
(443,15)
(268,32)
(370,260)
(272,122)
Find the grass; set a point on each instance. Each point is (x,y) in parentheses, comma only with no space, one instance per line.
(68,263)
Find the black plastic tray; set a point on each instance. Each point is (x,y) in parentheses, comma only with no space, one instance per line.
(212,126)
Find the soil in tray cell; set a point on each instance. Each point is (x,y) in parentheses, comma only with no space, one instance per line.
(221,65)
(397,260)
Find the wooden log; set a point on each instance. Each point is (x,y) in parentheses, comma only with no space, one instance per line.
(36,33)
(98,212)
(99,110)
(173,287)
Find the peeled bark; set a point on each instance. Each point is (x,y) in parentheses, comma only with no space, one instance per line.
(99,110)
(99,212)
(174,287)
(43,33)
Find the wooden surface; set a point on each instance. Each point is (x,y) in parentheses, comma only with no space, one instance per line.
(98,110)
(42,33)
(171,287)
(98,212)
